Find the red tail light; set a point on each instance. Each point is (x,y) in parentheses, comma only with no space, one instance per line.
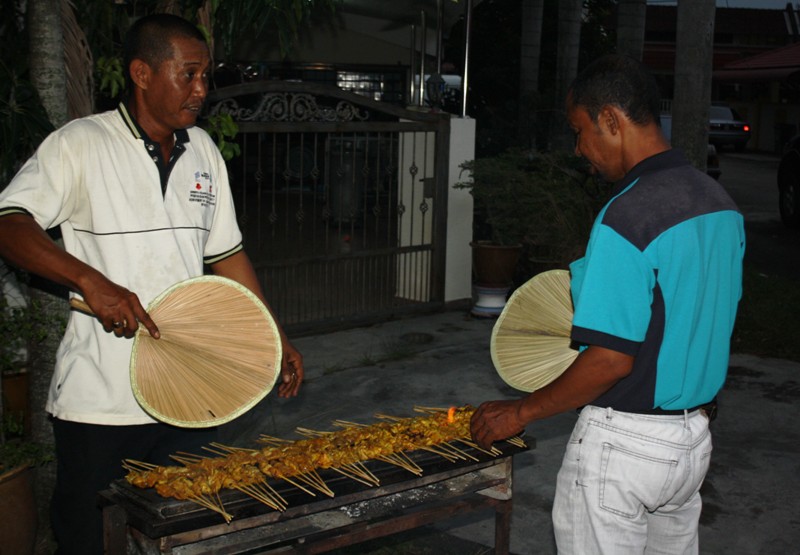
(746,128)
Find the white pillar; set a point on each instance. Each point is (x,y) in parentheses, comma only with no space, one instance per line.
(458,267)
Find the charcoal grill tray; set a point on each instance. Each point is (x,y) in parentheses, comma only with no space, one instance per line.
(157,516)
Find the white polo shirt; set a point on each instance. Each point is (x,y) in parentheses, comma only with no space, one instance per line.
(96,178)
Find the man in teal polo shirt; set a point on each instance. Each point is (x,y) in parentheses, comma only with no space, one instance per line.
(655,300)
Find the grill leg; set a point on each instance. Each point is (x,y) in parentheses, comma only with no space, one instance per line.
(114,530)
(502,528)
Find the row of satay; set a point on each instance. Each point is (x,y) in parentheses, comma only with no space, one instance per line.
(240,469)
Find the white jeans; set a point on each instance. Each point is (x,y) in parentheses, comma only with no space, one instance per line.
(629,483)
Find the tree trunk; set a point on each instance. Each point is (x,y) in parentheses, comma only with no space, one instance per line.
(693,65)
(569,40)
(49,76)
(47,57)
(530,53)
(631,15)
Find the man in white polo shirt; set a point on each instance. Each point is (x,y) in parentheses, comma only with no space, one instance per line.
(143,202)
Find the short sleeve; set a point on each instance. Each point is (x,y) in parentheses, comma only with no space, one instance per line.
(612,290)
(47,185)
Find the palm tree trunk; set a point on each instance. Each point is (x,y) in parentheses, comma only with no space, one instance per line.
(47,57)
(693,65)
(631,15)
(49,76)
(530,53)
(569,41)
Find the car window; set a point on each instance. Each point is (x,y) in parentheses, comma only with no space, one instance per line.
(721,112)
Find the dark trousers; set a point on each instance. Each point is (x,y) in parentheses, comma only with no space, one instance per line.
(89,458)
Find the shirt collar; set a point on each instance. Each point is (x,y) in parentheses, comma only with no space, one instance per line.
(181,135)
(672,158)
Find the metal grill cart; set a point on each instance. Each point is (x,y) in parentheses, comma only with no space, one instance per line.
(141,521)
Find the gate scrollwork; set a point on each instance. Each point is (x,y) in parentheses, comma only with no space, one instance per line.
(289,107)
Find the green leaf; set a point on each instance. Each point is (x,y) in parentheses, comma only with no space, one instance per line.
(221,127)
(112,79)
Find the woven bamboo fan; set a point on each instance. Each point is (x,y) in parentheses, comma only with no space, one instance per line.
(530,343)
(219,353)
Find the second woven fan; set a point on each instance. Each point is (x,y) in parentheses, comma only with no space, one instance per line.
(530,343)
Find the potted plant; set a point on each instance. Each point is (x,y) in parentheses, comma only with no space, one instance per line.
(533,212)
(21,327)
(18,513)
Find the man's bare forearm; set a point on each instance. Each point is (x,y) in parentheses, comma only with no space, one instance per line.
(593,373)
(24,244)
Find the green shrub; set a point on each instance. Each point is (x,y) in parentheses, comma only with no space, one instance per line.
(546,202)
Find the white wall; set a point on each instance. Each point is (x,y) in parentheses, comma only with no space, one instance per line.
(458,272)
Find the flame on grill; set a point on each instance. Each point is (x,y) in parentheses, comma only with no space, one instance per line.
(451,415)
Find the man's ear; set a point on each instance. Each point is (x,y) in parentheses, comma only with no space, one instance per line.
(140,73)
(609,119)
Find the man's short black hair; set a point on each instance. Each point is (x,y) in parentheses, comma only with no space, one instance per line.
(619,81)
(150,39)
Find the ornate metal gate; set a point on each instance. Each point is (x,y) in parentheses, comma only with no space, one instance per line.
(342,201)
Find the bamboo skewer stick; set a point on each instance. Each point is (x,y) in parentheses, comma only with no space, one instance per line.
(430,410)
(388,417)
(368,472)
(314,480)
(186,458)
(442,453)
(132,465)
(451,452)
(347,424)
(357,476)
(361,471)
(298,486)
(224,450)
(517,441)
(208,504)
(405,463)
(493,451)
(265,494)
(270,440)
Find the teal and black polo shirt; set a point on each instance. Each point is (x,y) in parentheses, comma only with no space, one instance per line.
(661,280)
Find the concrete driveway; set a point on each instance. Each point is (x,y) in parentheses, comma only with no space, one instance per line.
(750,495)
(751,179)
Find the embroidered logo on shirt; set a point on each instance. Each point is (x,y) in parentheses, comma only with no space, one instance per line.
(203,190)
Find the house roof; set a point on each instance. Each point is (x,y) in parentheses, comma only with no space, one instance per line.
(403,13)
(738,33)
(750,21)
(727,21)
(775,64)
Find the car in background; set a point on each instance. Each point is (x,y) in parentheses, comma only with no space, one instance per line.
(726,127)
(789,184)
(712,160)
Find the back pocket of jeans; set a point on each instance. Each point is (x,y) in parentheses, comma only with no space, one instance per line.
(632,481)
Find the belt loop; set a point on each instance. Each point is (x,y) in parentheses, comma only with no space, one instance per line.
(609,413)
(686,419)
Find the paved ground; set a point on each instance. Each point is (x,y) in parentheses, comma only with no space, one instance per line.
(750,495)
